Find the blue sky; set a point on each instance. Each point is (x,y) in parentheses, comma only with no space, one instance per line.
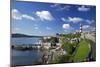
(36,18)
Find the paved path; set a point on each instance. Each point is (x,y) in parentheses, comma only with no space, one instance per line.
(92,39)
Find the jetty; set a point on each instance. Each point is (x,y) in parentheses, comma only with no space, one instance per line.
(26,46)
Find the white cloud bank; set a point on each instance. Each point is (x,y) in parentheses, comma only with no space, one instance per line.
(72,19)
(86,26)
(77,19)
(90,21)
(89,28)
(44,15)
(58,7)
(83,8)
(17,15)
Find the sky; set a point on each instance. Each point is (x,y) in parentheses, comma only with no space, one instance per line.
(47,19)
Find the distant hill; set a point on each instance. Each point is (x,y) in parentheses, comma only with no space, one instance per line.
(22,35)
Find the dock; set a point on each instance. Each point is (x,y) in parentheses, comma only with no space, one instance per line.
(26,46)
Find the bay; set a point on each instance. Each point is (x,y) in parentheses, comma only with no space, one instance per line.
(28,57)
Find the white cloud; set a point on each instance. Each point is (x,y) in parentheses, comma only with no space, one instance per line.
(86,26)
(77,19)
(48,28)
(90,21)
(83,8)
(28,17)
(17,15)
(63,19)
(44,15)
(36,28)
(74,19)
(60,8)
(54,5)
(63,8)
(89,28)
(66,26)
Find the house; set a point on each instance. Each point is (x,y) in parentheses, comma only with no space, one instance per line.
(75,40)
(45,42)
(48,42)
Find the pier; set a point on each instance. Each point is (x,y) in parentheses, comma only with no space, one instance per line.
(26,46)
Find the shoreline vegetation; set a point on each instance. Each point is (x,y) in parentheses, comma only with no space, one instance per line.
(74,48)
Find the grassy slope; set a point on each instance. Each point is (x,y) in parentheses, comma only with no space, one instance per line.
(82,51)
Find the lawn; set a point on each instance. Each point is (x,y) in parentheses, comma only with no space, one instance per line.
(82,51)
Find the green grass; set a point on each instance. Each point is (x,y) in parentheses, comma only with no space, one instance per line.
(82,51)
